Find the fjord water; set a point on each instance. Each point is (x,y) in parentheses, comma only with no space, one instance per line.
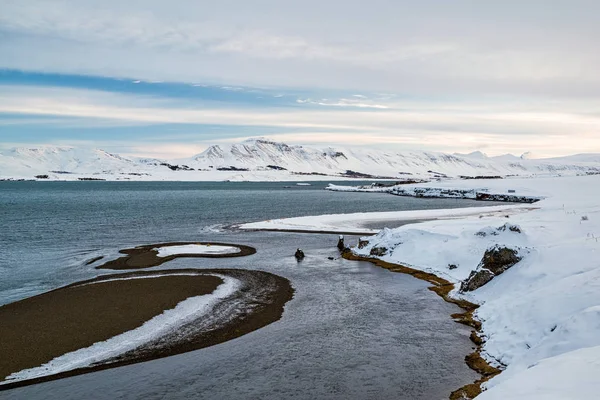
(352,330)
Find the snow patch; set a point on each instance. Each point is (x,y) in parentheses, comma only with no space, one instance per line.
(195,249)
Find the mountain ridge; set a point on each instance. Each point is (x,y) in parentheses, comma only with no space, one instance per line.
(261,159)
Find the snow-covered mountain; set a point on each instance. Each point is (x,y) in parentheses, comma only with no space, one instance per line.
(260,159)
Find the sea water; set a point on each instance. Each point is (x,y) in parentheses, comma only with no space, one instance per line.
(353,330)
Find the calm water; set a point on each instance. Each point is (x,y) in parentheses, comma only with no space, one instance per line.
(351,331)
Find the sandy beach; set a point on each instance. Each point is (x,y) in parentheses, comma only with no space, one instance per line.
(37,329)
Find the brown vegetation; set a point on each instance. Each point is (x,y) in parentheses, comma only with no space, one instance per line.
(443,288)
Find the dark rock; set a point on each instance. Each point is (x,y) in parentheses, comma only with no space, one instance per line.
(330,258)
(510,227)
(494,262)
(362,243)
(177,167)
(378,251)
(452,266)
(481,177)
(476,280)
(354,174)
(42,176)
(506,227)
(498,259)
(340,244)
(232,168)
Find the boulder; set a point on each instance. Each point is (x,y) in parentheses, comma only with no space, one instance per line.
(494,262)
(299,255)
(498,259)
(476,280)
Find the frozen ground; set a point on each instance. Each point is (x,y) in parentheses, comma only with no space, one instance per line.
(541,318)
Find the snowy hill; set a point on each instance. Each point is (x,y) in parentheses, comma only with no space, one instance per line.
(260,159)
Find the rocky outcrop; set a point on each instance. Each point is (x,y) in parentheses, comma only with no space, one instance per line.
(489,231)
(362,243)
(341,246)
(494,262)
(173,167)
(378,251)
(232,168)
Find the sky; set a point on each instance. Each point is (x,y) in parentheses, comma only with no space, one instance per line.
(168,78)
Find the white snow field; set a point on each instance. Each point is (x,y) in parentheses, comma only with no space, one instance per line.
(264,160)
(357,223)
(166,251)
(541,318)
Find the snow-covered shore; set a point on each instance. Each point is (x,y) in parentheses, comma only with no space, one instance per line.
(358,223)
(540,318)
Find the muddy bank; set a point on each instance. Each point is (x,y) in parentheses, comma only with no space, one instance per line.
(146,256)
(40,328)
(443,288)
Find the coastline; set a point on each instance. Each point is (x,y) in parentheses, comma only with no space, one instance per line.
(442,288)
(258,301)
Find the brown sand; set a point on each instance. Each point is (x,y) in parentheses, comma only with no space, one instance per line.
(40,328)
(37,329)
(443,288)
(145,257)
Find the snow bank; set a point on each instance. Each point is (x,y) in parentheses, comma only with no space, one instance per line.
(356,222)
(195,249)
(541,318)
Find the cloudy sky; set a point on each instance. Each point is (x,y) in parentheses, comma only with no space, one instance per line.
(167,78)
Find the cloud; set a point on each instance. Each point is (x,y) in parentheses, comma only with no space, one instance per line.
(415,47)
(507,127)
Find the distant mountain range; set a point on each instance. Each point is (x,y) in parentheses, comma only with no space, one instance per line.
(259,159)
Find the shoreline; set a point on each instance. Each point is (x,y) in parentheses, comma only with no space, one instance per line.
(442,288)
(259,301)
(146,256)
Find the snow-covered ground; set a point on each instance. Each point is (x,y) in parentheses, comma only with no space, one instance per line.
(195,249)
(264,160)
(358,222)
(541,318)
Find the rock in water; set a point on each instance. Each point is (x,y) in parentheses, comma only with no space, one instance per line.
(340,244)
(299,255)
